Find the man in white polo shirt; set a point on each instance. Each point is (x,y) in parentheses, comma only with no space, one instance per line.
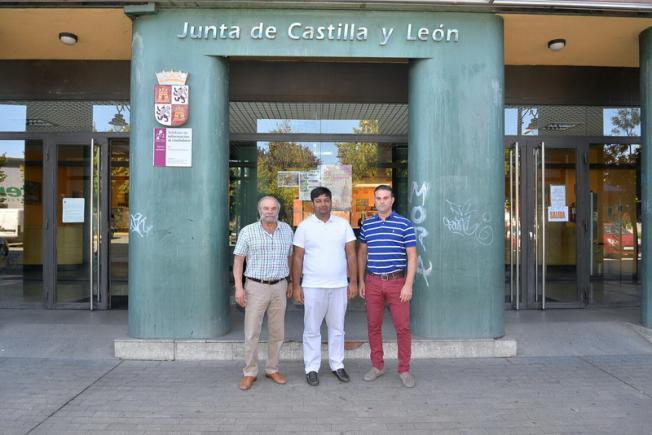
(324,251)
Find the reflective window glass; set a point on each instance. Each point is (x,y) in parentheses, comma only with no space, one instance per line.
(616,228)
(21,222)
(572,121)
(13,117)
(64,116)
(289,170)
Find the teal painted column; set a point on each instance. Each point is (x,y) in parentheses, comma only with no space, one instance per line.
(456,191)
(645,46)
(178,256)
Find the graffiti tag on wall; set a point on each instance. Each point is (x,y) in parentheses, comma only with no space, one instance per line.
(469,223)
(138,225)
(419,215)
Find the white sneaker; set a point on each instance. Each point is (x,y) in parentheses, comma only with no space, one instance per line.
(407,379)
(373,374)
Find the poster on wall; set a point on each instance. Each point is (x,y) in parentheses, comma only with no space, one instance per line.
(72,211)
(307,181)
(173,147)
(338,178)
(287,178)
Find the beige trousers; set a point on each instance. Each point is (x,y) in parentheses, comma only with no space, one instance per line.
(263,298)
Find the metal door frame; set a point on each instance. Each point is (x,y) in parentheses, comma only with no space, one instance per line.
(528,191)
(50,143)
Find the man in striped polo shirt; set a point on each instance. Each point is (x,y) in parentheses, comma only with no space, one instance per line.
(388,255)
(267,246)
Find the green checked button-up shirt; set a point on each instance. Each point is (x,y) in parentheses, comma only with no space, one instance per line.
(267,254)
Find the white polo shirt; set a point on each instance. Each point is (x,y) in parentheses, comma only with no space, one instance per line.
(324,260)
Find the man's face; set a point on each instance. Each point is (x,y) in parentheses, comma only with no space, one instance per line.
(268,211)
(383,200)
(322,205)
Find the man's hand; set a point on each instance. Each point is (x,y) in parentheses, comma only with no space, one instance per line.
(406,293)
(240,296)
(290,290)
(298,294)
(353,290)
(361,289)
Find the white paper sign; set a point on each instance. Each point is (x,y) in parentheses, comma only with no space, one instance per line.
(179,147)
(308,181)
(558,214)
(72,211)
(558,196)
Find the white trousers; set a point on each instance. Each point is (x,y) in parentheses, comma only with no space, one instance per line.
(320,303)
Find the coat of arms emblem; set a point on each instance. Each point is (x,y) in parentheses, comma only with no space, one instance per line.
(171,98)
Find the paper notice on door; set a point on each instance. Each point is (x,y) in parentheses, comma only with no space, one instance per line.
(72,211)
(558,196)
(558,214)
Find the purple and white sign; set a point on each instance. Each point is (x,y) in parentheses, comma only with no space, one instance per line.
(173,147)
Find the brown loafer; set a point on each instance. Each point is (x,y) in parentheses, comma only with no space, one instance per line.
(277,377)
(246,382)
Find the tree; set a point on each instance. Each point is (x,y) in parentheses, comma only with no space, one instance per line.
(626,120)
(283,156)
(363,156)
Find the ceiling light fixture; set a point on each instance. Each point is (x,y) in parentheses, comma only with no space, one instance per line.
(68,38)
(556,44)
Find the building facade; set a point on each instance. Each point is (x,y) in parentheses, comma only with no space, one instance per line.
(136,145)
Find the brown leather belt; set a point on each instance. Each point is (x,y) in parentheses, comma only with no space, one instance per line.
(267,281)
(389,276)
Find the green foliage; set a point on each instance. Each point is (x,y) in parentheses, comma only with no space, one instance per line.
(3,175)
(363,156)
(626,121)
(283,156)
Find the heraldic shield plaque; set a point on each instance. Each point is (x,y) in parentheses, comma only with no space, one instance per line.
(171,98)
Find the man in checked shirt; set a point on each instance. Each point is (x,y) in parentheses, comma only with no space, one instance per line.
(267,246)
(388,254)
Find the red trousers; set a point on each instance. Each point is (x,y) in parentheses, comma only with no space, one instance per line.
(378,293)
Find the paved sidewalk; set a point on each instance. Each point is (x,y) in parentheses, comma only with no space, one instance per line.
(603,394)
(578,371)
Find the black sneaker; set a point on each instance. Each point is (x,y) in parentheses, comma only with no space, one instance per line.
(342,375)
(312,378)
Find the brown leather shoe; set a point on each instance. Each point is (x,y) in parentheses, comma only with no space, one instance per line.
(277,377)
(246,382)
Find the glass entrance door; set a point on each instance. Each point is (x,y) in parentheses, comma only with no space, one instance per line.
(76,226)
(546,225)
(21,223)
(118,223)
(615,223)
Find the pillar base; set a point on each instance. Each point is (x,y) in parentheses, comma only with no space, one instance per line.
(644,332)
(201,350)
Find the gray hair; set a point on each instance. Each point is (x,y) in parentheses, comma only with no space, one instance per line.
(260,201)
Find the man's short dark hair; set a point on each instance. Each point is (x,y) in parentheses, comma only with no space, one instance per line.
(319,191)
(384,187)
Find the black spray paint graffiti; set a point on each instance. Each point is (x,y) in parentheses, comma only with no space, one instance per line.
(138,225)
(418,216)
(462,223)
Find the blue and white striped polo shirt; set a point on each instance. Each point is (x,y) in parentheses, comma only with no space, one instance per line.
(386,242)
